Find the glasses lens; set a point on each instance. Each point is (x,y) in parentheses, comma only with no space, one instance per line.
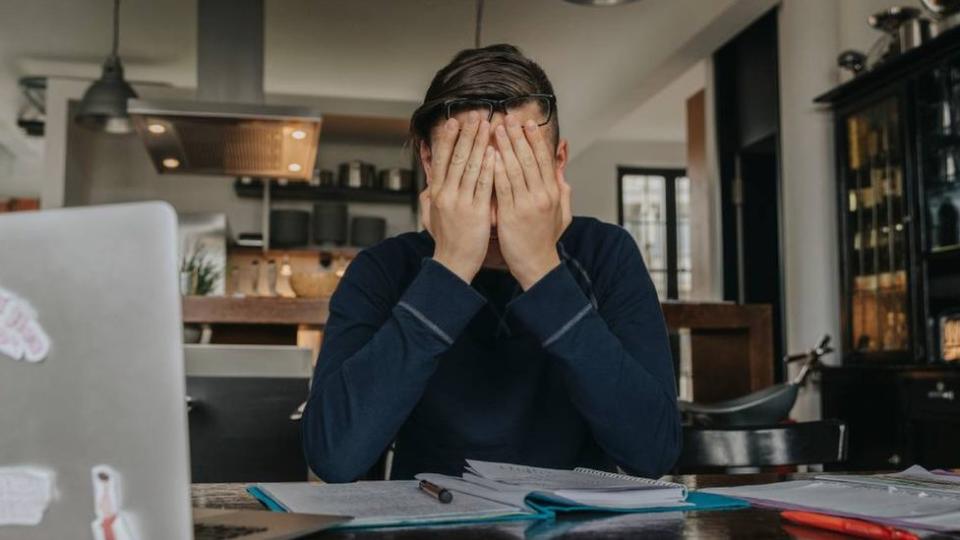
(539,107)
(460,108)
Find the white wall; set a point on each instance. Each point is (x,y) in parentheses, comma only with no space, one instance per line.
(592,174)
(812,33)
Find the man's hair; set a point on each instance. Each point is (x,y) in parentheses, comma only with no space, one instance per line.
(494,72)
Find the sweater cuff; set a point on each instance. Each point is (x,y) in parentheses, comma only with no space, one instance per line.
(441,301)
(553,306)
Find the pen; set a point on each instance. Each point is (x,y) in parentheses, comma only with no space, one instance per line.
(853,527)
(441,494)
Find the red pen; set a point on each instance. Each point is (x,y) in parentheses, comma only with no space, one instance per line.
(853,527)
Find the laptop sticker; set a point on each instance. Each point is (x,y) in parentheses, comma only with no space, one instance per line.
(21,336)
(25,494)
(110,523)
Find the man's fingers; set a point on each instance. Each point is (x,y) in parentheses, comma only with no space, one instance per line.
(461,152)
(524,154)
(485,181)
(502,183)
(441,147)
(510,164)
(471,171)
(543,155)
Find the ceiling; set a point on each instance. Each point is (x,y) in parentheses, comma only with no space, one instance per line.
(604,62)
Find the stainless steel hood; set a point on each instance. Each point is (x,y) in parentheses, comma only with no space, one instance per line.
(228,130)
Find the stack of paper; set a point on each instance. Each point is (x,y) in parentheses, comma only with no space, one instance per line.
(914,498)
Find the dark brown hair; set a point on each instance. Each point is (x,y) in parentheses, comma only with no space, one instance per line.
(494,72)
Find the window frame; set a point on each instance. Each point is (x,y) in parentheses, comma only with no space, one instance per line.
(670,175)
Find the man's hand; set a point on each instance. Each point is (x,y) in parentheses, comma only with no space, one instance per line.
(533,203)
(456,204)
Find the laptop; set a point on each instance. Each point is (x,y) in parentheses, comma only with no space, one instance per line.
(93,420)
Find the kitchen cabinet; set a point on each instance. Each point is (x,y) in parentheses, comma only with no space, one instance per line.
(896,416)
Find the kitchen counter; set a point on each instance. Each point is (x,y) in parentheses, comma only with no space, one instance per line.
(731,345)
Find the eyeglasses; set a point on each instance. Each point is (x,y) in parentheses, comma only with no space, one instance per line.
(545,104)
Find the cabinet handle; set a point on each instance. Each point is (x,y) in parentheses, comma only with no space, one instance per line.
(941,392)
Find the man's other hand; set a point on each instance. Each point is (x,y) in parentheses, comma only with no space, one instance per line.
(533,201)
(456,203)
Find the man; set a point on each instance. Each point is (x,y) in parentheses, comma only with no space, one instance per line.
(507,331)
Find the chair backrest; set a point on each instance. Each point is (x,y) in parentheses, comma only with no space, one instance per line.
(804,443)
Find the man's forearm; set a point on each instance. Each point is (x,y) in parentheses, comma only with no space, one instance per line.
(367,382)
(631,409)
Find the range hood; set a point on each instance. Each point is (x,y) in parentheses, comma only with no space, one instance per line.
(228,130)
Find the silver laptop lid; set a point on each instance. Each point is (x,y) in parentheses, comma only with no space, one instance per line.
(102,282)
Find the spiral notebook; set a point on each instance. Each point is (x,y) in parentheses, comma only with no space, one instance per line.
(487,491)
(560,489)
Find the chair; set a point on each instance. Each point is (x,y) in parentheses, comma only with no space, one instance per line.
(713,449)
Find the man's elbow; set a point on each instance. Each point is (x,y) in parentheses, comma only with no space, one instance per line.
(332,470)
(325,457)
(661,448)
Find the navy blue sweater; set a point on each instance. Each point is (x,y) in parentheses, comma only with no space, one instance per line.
(576,371)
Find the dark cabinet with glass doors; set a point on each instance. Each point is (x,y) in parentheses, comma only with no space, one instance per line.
(875,227)
(898,180)
(897,143)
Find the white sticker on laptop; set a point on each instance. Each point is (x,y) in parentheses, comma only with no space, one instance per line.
(21,336)
(25,494)
(110,523)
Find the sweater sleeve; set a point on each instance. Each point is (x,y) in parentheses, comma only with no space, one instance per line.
(377,356)
(616,359)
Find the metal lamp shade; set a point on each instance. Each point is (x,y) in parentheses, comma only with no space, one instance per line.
(104,104)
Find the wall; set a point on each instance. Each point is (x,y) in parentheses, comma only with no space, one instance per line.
(812,34)
(593,172)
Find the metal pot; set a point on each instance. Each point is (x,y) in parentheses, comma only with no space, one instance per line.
(396,179)
(289,228)
(358,175)
(324,178)
(367,231)
(330,223)
(914,33)
(942,8)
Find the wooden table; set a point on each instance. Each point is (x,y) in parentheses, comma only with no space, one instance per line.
(745,523)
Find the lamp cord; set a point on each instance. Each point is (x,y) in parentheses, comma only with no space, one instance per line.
(479,27)
(116,27)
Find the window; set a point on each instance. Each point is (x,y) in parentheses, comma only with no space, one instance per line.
(655,209)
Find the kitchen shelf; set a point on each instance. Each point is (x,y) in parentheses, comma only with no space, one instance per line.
(275,252)
(255,310)
(299,191)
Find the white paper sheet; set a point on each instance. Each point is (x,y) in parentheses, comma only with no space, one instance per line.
(915,478)
(25,494)
(895,506)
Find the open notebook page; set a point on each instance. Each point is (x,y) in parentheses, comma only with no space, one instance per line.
(538,478)
(517,495)
(382,502)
